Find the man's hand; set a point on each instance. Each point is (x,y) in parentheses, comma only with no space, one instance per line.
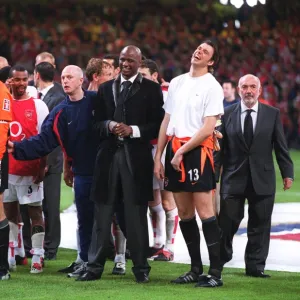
(10,147)
(40,176)
(159,171)
(217,135)
(287,183)
(68,177)
(176,161)
(164,83)
(122,130)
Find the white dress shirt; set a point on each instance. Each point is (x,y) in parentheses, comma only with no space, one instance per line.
(244,109)
(45,90)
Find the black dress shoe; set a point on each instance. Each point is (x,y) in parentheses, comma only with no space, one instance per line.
(141,278)
(257,273)
(88,276)
(50,256)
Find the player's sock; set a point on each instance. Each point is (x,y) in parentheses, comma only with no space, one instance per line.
(37,251)
(78,258)
(13,244)
(211,233)
(120,244)
(191,234)
(4,241)
(171,228)
(158,217)
(20,248)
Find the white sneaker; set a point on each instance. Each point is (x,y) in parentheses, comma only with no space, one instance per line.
(37,267)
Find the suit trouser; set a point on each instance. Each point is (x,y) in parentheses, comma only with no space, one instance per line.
(128,211)
(51,209)
(85,213)
(260,208)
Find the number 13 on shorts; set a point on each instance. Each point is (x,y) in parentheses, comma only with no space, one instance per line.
(194,175)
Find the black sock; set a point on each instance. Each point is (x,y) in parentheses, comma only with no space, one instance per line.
(211,233)
(191,234)
(4,240)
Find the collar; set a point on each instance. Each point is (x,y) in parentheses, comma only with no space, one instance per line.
(132,79)
(244,107)
(46,89)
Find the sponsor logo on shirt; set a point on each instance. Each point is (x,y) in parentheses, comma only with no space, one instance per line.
(6,104)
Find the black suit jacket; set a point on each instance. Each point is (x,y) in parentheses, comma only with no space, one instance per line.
(53,97)
(143,108)
(238,160)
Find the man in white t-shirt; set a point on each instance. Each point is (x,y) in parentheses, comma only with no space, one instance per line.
(193,106)
(25,184)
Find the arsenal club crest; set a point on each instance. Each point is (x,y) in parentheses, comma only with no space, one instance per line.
(28,114)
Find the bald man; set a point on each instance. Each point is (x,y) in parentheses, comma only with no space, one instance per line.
(3,62)
(251,131)
(127,117)
(70,125)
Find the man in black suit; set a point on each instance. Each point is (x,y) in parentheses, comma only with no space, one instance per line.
(251,130)
(128,114)
(52,95)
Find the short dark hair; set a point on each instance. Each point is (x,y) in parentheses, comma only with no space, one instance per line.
(233,84)
(215,57)
(4,73)
(46,71)
(17,68)
(114,57)
(150,64)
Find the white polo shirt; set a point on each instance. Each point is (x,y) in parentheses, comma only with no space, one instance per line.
(190,100)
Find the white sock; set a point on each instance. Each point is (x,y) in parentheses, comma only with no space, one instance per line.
(158,217)
(20,248)
(120,240)
(37,250)
(120,258)
(171,227)
(78,258)
(13,242)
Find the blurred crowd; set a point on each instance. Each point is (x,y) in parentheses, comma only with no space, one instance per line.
(266,47)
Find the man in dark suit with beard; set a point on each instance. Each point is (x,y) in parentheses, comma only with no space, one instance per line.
(128,114)
(52,94)
(251,131)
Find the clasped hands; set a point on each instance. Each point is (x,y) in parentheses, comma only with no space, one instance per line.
(120,129)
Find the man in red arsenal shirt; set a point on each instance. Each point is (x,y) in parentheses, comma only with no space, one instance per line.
(164,214)
(25,177)
(5,118)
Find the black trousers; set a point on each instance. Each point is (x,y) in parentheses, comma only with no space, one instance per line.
(131,216)
(258,229)
(51,210)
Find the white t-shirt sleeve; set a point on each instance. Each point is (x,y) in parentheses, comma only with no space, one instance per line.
(168,105)
(214,102)
(32,91)
(42,112)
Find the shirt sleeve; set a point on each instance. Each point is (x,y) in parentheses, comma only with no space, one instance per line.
(168,106)
(5,117)
(214,102)
(42,112)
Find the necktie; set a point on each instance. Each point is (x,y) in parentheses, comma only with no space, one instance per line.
(119,115)
(248,128)
(124,91)
(40,95)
